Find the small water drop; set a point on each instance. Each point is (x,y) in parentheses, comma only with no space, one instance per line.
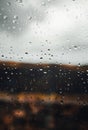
(2,55)
(15,17)
(5,17)
(70,49)
(79,64)
(43,3)
(41,57)
(48,49)
(41,69)
(49,0)
(75,47)
(45,72)
(29,18)
(14,21)
(8,3)
(26,52)
(19,1)
(86,70)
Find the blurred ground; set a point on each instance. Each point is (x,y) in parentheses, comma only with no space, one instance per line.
(43,96)
(43,112)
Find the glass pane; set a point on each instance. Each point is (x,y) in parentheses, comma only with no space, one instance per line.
(43,64)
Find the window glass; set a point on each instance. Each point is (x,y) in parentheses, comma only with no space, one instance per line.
(43,64)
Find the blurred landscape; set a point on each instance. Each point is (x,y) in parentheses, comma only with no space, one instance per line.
(43,96)
(43,78)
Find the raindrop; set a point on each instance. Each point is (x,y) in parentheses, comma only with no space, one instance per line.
(48,49)
(2,55)
(41,69)
(68,84)
(12,73)
(61,102)
(21,57)
(49,0)
(84,82)
(31,69)
(8,3)
(5,17)
(49,58)
(51,55)
(75,47)
(26,52)
(19,1)
(86,70)
(69,63)
(6,72)
(43,4)
(60,92)
(29,18)
(15,17)
(8,78)
(79,64)
(41,57)
(14,21)
(45,72)
(30,42)
(69,49)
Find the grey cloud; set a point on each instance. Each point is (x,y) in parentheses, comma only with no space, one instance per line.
(14,18)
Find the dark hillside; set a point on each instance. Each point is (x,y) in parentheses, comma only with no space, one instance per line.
(44,78)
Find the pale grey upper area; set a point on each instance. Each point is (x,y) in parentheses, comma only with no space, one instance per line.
(46,31)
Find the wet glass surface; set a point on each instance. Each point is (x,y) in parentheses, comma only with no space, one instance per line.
(43,65)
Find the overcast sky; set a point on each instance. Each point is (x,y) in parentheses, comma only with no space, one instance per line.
(46,31)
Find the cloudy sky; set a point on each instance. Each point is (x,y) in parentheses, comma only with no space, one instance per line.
(46,31)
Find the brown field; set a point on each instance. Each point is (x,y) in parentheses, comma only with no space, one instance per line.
(43,112)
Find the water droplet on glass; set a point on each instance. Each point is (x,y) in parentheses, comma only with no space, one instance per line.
(61,102)
(75,47)
(48,49)
(8,3)
(68,84)
(86,70)
(14,21)
(29,18)
(49,0)
(6,72)
(12,73)
(43,4)
(79,64)
(69,49)
(26,52)
(2,55)
(15,17)
(41,57)
(45,72)
(41,69)
(19,1)
(5,17)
